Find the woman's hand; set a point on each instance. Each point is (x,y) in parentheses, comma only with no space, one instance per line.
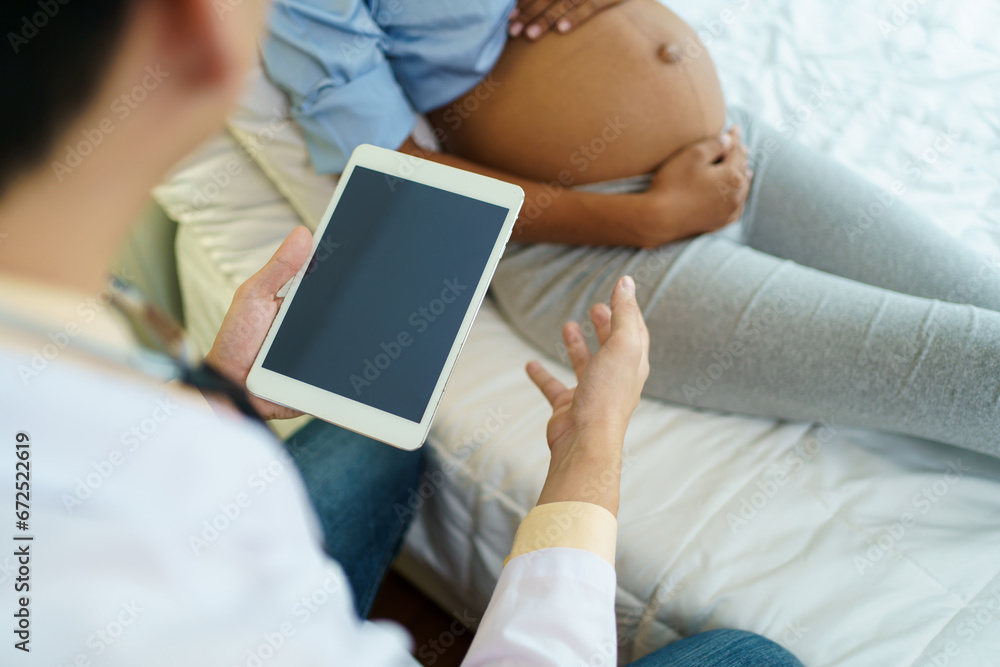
(701,188)
(254,308)
(588,423)
(536,18)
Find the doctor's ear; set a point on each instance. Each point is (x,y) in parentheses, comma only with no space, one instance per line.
(209,43)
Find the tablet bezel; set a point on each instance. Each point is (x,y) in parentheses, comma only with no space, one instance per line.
(344,411)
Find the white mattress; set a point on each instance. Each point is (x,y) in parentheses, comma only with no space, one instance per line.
(873,549)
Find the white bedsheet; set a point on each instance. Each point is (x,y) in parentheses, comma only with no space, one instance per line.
(848,547)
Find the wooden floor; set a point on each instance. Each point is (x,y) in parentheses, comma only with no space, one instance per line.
(438,639)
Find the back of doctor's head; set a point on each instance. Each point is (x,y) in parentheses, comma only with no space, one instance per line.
(54,56)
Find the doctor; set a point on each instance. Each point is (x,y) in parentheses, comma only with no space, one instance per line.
(156,530)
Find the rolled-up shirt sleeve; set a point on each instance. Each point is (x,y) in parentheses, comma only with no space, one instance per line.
(330,60)
(554,602)
(440,50)
(359,72)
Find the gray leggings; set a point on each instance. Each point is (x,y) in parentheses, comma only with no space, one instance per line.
(830,300)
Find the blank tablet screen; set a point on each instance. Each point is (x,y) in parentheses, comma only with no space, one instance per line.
(380,306)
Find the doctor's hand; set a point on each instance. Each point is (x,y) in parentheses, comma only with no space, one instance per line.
(536,18)
(588,423)
(254,308)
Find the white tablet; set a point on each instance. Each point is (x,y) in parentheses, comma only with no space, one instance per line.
(372,326)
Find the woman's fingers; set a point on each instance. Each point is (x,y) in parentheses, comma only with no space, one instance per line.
(737,177)
(527,12)
(712,150)
(549,386)
(744,190)
(576,346)
(581,11)
(738,161)
(740,151)
(535,18)
(553,15)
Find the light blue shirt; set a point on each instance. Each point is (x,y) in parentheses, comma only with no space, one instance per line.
(359,71)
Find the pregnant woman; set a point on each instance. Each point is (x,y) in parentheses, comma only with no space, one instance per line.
(774,281)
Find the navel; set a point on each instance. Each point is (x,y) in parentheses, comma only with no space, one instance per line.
(668,53)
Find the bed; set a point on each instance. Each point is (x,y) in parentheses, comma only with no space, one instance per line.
(849,547)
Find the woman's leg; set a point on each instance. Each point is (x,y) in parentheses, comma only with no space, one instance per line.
(720,648)
(807,208)
(736,329)
(355,485)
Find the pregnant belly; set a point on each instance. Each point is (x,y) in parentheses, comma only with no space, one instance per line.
(613,98)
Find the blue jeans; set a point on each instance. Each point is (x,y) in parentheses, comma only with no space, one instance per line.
(359,489)
(721,648)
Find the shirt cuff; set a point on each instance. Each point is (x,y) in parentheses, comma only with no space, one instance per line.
(573,525)
(198,399)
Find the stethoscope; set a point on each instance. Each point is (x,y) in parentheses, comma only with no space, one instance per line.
(165,352)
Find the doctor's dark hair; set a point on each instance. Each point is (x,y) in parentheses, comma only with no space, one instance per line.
(54,57)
